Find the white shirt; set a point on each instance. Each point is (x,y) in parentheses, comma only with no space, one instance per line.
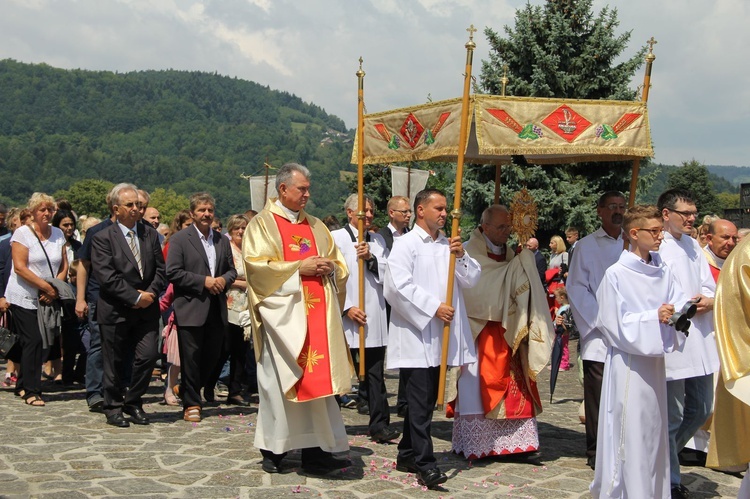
(688,263)
(209,248)
(396,233)
(376,328)
(594,254)
(19,291)
(416,281)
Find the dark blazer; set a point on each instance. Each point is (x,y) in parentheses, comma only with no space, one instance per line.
(113,264)
(388,236)
(187,268)
(6,264)
(541,267)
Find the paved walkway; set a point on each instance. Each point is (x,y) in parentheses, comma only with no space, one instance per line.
(62,451)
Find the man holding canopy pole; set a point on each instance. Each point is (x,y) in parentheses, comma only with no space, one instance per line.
(373,317)
(415,285)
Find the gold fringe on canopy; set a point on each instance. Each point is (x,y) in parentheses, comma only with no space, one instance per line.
(545,131)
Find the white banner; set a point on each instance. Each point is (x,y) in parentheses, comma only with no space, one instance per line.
(258,194)
(412,179)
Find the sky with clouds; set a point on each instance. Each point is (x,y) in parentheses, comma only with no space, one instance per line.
(699,101)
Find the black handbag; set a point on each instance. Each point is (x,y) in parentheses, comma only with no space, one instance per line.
(7,337)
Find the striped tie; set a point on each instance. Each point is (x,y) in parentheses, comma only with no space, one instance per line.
(134,248)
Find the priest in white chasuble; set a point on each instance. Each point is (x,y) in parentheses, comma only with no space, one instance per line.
(498,401)
(296,282)
(636,298)
(729,447)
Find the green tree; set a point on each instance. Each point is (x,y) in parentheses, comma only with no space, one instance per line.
(168,202)
(562,50)
(88,197)
(693,176)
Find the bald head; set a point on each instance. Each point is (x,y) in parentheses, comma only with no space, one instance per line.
(496,224)
(722,237)
(532,244)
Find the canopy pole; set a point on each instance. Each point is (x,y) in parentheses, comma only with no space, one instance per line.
(361,208)
(498,170)
(456,213)
(650,58)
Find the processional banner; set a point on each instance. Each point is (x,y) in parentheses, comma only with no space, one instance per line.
(259,193)
(544,131)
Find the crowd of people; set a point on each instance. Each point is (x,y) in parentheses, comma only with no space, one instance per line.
(276,298)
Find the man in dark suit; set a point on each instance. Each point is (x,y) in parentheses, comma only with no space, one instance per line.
(399,216)
(201,269)
(541,265)
(127,262)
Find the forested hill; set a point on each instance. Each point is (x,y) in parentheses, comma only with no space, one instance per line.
(185,131)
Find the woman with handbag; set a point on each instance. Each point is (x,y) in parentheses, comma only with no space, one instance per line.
(36,250)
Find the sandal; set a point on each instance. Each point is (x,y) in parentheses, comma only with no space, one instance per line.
(192,414)
(170,399)
(35,401)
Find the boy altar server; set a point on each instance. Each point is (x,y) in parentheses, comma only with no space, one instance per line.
(636,298)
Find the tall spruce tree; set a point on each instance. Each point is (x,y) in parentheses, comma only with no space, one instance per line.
(560,49)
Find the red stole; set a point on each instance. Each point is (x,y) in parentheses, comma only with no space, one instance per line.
(299,243)
(714,272)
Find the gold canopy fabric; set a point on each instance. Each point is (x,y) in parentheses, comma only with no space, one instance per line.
(545,131)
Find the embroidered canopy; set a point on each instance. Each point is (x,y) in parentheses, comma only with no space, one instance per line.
(544,131)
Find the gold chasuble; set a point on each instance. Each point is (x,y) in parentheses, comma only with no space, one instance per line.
(730,428)
(511,324)
(298,318)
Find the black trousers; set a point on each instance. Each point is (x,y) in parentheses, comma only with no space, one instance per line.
(139,338)
(374,387)
(592,390)
(200,349)
(26,325)
(421,385)
(234,348)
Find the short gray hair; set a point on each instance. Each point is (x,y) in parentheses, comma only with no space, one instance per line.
(352,202)
(114,194)
(284,175)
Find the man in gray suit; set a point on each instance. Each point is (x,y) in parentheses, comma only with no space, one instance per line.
(201,269)
(127,262)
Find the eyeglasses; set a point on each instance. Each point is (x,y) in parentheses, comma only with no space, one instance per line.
(404,212)
(685,214)
(615,206)
(654,232)
(135,204)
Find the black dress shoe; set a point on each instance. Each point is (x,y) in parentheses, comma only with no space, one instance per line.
(363,409)
(118,420)
(431,477)
(385,435)
(270,465)
(324,464)
(591,462)
(97,406)
(406,465)
(238,400)
(139,417)
(680,492)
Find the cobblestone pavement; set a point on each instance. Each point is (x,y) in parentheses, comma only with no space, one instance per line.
(63,451)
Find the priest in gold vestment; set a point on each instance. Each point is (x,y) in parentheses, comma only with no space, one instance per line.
(729,447)
(498,401)
(296,282)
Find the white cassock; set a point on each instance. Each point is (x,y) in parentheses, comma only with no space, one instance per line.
(688,264)
(632,458)
(376,328)
(594,254)
(416,281)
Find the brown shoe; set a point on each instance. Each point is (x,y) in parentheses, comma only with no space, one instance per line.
(192,414)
